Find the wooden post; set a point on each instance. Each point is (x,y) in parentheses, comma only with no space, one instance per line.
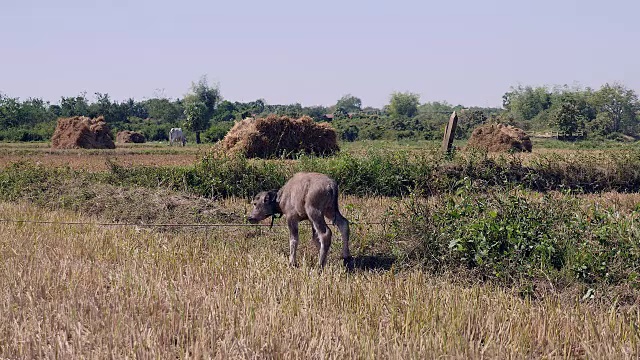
(450,133)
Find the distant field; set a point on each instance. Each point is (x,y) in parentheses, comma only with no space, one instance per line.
(161,154)
(150,154)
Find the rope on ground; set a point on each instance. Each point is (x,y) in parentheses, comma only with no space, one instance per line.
(161,225)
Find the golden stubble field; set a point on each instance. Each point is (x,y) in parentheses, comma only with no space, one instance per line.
(112,292)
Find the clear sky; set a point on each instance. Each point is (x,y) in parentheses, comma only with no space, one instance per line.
(465,52)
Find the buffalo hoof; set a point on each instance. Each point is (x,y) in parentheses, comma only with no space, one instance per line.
(349,263)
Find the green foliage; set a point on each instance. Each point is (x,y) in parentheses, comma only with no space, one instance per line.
(611,109)
(380,173)
(469,120)
(612,112)
(527,101)
(226,111)
(350,133)
(567,118)
(403,104)
(349,104)
(74,106)
(507,235)
(164,110)
(620,106)
(217,131)
(317,113)
(371,133)
(195,112)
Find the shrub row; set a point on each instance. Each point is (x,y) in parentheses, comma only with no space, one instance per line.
(377,173)
(381,173)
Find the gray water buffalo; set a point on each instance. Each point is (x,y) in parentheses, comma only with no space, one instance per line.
(306,196)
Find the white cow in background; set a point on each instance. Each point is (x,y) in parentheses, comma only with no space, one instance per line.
(176,134)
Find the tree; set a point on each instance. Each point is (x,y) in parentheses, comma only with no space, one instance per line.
(200,105)
(619,104)
(317,113)
(9,112)
(164,109)
(567,118)
(196,112)
(581,98)
(527,102)
(226,111)
(349,103)
(404,104)
(469,120)
(257,106)
(74,106)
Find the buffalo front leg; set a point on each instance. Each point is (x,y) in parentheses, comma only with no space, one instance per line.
(293,240)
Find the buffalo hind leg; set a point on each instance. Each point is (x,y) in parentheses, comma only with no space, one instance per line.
(324,234)
(343,225)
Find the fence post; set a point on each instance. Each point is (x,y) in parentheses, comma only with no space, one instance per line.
(450,133)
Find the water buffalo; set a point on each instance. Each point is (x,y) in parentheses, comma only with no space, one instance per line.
(311,196)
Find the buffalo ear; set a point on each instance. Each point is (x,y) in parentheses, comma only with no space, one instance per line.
(273,194)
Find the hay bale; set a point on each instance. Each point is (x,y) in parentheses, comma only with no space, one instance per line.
(128,136)
(499,137)
(280,135)
(82,132)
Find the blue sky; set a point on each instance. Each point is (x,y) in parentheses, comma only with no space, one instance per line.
(464,52)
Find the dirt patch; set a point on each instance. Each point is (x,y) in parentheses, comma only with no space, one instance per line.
(127,136)
(280,136)
(500,137)
(95,163)
(82,132)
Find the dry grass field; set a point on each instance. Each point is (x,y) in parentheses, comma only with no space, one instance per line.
(112,292)
(90,291)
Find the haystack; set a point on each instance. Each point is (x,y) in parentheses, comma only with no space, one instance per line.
(499,137)
(128,136)
(280,135)
(82,132)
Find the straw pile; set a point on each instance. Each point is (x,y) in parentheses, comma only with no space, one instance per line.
(280,136)
(128,136)
(500,137)
(81,132)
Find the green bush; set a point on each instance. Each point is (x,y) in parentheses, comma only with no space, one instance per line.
(509,235)
(217,131)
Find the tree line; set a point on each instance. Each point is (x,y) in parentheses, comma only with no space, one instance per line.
(613,111)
